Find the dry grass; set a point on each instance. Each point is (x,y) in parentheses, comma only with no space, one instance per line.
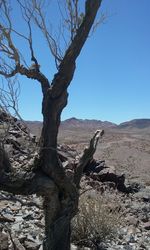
(97,221)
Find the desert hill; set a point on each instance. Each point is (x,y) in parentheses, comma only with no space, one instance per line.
(89,125)
(135,124)
(82,123)
(126,146)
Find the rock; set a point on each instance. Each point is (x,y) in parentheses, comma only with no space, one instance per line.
(19,218)
(142,193)
(66,153)
(132,220)
(21,238)
(134,187)
(94,166)
(146,198)
(3,203)
(142,246)
(29,245)
(144,218)
(15,133)
(28,217)
(17,227)
(4,117)
(6,218)
(73,247)
(3,241)
(108,174)
(18,245)
(14,206)
(128,247)
(21,158)
(147,225)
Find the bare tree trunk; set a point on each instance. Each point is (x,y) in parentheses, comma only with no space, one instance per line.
(57,225)
(57,239)
(60,209)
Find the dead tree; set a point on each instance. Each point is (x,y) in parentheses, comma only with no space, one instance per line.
(47,176)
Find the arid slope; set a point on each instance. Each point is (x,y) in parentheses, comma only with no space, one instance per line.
(127,146)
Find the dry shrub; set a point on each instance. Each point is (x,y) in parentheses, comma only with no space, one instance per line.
(97,221)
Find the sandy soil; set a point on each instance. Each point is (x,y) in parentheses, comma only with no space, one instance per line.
(128,151)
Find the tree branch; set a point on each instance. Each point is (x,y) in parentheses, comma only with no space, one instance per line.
(29,73)
(67,66)
(87,156)
(7,35)
(36,75)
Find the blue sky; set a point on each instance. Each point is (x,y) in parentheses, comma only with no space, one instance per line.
(112,78)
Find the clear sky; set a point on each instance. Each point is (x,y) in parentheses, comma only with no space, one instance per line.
(112,78)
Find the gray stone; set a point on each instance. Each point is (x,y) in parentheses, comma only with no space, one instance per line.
(16,227)
(3,241)
(18,245)
(73,247)
(5,217)
(29,245)
(147,225)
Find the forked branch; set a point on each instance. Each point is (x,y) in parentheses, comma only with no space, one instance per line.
(67,66)
(87,156)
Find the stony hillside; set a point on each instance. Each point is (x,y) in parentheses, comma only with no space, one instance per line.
(21,217)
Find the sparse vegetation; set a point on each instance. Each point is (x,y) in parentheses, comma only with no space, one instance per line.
(96,221)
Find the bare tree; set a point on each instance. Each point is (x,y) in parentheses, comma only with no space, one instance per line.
(47,177)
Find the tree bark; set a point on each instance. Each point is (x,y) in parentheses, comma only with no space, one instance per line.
(58,239)
(57,226)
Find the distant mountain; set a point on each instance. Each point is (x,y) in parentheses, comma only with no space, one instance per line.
(86,123)
(76,124)
(73,123)
(35,127)
(135,124)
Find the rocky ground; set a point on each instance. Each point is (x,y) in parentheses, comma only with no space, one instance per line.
(22,220)
(135,234)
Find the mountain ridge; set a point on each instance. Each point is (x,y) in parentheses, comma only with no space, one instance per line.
(75,123)
(135,123)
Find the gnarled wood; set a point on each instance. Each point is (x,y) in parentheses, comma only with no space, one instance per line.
(87,156)
(55,99)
